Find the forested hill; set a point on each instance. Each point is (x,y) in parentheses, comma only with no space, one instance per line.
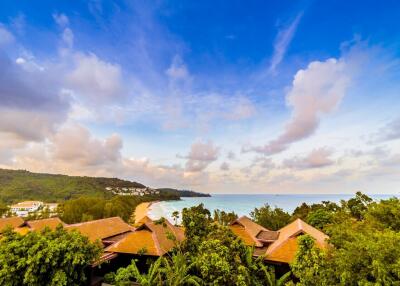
(18,185)
(182,193)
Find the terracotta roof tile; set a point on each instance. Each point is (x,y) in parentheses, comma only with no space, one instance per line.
(40,224)
(268,235)
(285,247)
(13,222)
(102,228)
(149,236)
(247,230)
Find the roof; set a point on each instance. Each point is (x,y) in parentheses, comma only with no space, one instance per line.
(268,235)
(285,247)
(101,228)
(13,222)
(149,238)
(40,224)
(247,230)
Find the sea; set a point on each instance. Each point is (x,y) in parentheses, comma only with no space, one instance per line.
(245,204)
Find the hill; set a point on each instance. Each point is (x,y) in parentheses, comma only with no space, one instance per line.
(182,193)
(18,185)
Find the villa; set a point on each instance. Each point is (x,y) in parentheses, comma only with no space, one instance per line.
(277,247)
(151,239)
(23,209)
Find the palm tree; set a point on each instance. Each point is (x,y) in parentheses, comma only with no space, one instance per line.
(260,274)
(151,278)
(176,270)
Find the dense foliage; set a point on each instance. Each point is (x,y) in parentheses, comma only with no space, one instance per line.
(47,258)
(90,208)
(270,218)
(210,255)
(182,193)
(365,246)
(23,185)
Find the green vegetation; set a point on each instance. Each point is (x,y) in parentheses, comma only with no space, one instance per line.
(182,193)
(365,241)
(90,208)
(210,255)
(272,219)
(22,185)
(364,248)
(47,258)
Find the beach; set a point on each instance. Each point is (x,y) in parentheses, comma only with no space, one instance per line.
(141,211)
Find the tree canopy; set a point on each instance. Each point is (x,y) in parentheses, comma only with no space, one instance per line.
(45,258)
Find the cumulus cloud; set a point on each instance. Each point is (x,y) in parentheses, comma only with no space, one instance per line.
(317,158)
(75,144)
(200,156)
(23,88)
(316,91)
(282,42)
(95,79)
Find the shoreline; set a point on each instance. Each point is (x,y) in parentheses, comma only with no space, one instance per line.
(142,210)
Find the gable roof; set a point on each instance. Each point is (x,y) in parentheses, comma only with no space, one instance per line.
(149,237)
(40,224)
(12,222)
(285,247)
(247,230)
(101,228)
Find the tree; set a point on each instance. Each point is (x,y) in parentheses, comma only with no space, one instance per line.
(273,219)
(45,258)
(385,214)
(310,265)
(320,218)
(177,269)
(175,215)
(358,205)
(124,276)
(224,218)
(197,223)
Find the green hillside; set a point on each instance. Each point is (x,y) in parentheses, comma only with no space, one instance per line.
(18,185)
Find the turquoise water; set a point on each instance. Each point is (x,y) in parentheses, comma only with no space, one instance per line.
(244,204)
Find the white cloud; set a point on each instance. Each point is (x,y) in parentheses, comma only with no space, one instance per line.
(96,80)
(68,38)
(200,156)
(282,42)
(6,37)
(316,91)
(317,158)
(75,145)
(61,20)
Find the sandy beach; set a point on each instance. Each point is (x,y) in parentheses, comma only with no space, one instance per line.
(141,211)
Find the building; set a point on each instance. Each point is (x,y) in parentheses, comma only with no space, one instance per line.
(25,208)
(13,222)
(277,247)
(150,238)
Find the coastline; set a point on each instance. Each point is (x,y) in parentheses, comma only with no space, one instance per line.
(142,210)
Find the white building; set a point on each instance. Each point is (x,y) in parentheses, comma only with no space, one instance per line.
(24,208)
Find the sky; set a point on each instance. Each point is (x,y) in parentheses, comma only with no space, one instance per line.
(213,96)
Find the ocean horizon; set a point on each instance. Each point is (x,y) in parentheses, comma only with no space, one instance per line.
(244,204)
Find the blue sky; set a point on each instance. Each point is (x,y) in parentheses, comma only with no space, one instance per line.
(216,96)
